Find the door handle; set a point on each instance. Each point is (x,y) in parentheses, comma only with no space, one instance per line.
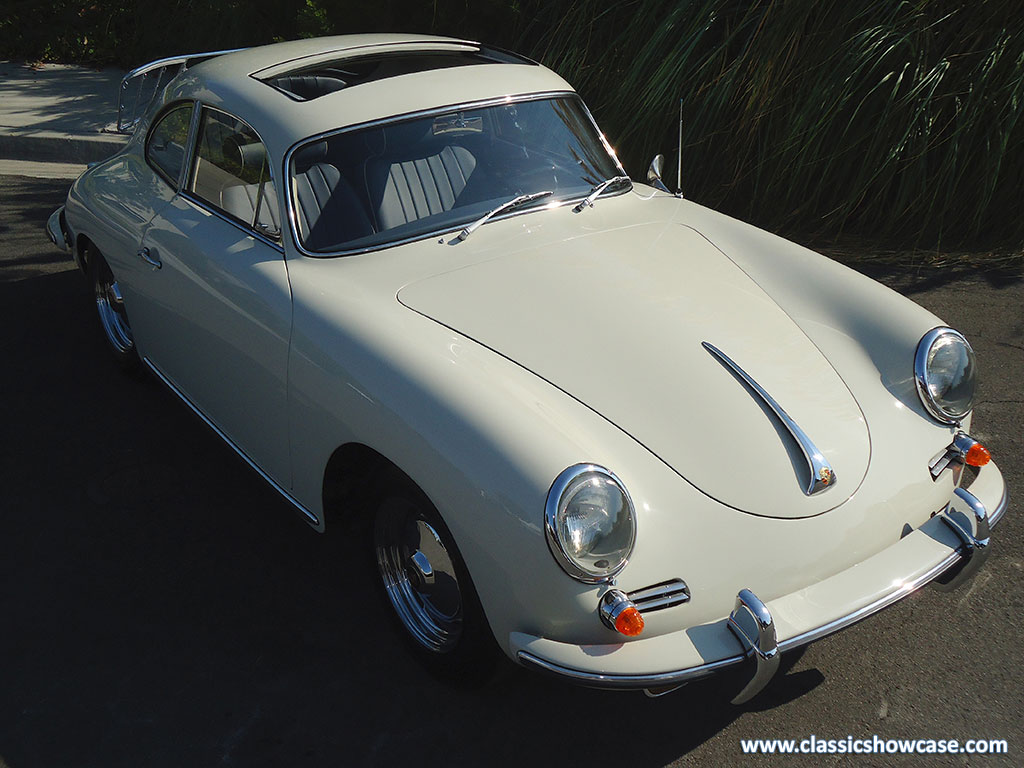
(149,258)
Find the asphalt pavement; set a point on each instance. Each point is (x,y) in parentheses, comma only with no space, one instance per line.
(161,606)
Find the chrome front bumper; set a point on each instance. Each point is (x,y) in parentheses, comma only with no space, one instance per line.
(752,624)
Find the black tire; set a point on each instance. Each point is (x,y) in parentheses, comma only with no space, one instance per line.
(111,313)
(438,613)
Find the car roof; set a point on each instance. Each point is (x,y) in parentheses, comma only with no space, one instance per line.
(232,82)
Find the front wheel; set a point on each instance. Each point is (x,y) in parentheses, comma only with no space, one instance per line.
(112,314)
(428,586)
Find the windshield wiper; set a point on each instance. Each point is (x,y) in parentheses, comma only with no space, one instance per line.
(507,205)
(588,201)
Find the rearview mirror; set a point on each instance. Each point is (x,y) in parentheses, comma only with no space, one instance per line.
(654,173)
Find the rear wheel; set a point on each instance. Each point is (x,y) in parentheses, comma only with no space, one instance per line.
(112,314)
(426,582)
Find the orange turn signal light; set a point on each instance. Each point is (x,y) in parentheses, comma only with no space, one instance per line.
(629,622)
(977,455)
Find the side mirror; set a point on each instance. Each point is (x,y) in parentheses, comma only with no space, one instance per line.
(654,173)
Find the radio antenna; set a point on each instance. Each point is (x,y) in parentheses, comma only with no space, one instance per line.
(679,155)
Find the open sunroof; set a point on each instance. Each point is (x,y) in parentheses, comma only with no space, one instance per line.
(305,83)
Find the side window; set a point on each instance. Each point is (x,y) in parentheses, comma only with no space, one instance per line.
(165,148)
(232,173)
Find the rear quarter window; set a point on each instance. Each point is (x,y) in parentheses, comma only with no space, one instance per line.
(167,142)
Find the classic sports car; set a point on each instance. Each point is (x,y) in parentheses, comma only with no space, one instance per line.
(612,433)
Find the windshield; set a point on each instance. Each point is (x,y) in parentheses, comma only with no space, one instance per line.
(369,187)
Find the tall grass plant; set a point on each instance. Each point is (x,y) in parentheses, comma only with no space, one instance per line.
(897,120)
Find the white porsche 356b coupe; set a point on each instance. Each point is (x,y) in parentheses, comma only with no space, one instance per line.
(600,428)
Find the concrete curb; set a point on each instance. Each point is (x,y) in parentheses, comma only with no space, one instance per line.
(56,147)
(57,113)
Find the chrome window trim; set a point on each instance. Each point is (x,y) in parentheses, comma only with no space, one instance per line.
(554,501)
(245,229)
(921,374)
(310,517)
(481,104)
(190,153)
(189,194)
(189,142)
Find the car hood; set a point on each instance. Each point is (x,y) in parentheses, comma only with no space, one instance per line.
(618,320)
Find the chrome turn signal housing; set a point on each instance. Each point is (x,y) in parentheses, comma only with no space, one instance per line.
(620,614)
(963,450)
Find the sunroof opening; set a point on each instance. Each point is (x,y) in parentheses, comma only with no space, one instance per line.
(312,82)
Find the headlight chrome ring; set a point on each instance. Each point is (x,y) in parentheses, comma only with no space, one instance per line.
(951,400)
(602,536)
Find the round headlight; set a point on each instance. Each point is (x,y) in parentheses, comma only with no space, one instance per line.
(590,523)
(944,369)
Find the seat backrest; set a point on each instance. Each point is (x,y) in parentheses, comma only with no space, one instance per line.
(404,190)
(328,211)
(308,86)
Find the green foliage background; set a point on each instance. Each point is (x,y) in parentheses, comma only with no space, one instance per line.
(897,121)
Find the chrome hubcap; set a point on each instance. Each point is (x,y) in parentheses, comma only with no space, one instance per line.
(110,306)
(419,576)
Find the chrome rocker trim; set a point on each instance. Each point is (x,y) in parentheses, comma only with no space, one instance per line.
(310,517)
(751,621)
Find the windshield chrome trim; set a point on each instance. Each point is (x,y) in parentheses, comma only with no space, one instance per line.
(289,191)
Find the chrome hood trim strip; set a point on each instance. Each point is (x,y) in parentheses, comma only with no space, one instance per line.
(822,475)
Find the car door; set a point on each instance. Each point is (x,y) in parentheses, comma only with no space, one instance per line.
(212,309)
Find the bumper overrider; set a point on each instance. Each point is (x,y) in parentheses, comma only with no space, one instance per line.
(946,551)
(57,229)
